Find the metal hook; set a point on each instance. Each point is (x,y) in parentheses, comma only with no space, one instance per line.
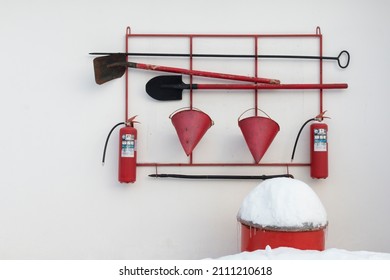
(156,171)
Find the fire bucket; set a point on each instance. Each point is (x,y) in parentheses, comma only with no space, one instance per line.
(190,124)
(259,132)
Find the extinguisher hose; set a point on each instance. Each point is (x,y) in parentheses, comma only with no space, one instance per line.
(108,137)
(299,133)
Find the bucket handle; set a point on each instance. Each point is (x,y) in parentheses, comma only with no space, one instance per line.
(254,109)
(191,108)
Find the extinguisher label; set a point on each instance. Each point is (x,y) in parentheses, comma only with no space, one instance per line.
(128,145)
(320,140)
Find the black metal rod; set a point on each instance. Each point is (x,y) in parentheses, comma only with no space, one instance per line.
(235,177)
(344,52)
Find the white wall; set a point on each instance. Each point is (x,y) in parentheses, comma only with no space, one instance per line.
(57,202)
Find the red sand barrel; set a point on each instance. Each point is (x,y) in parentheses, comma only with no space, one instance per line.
(190,126)
(282,212)
(255,238)
(258,132)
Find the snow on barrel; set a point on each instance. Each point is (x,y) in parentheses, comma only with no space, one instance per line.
(283,203)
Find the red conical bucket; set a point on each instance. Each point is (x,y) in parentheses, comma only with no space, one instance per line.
(190,126)
(259,132)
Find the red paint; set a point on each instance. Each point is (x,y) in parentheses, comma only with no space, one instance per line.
(127,154)
(190,126)
(258,132)
(257,39)
(271,86)
(319,150)
(201,73)
(258,238)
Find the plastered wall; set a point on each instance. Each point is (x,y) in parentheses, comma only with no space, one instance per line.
(58,202)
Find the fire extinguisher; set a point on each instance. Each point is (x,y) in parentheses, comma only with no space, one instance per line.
(318,146)
(127,162)
(319,150)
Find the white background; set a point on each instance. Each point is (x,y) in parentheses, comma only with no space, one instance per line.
(56,200)
(207,269)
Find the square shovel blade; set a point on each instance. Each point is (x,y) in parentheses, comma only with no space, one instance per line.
(104,72)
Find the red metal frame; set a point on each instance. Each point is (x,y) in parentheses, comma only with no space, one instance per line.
(255,37)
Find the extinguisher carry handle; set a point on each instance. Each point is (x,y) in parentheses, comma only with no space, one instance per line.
(321,116)
(131,121)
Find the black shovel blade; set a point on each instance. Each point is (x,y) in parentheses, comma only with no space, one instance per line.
(104,72)
(164,88)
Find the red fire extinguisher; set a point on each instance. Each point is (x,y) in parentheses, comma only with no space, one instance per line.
(127,161)
(318,146)
(319,150)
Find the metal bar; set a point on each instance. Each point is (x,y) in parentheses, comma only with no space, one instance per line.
(191,77)
(223,35)
(217,55)
(318,31)
(343,53)
(261,86)
(191,92)
(155,164)
(256,75)
(234,177)
(128,31)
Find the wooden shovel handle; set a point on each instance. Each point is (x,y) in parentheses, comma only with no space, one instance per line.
(196,72)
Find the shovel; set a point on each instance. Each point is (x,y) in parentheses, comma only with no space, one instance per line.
(114,66)
(171,87)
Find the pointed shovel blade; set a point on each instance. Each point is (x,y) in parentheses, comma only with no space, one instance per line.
(105,73)
(165,87)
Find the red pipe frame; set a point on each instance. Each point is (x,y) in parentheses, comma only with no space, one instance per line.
(256,37)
